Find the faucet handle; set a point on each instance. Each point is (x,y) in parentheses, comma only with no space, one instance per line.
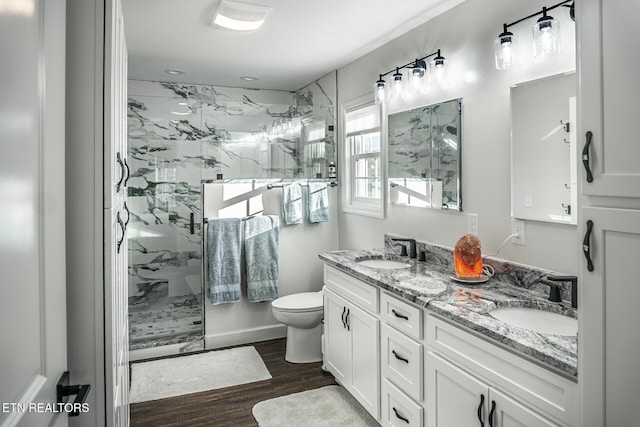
(403,249)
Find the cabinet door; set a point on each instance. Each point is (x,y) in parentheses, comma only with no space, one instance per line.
(365,351)
(337,339)
(607,69)
(509,413)
(608,345)
(454,398)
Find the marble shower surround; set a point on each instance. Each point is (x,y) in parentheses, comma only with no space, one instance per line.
(179,135)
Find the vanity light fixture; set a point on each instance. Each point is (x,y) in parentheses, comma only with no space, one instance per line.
(240,16)
(546,37)
(417,80)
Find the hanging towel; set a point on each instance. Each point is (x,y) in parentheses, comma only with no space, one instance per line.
(317,202)
(223,260)
(291,204)
(261,244)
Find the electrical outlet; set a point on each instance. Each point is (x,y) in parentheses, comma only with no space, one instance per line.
(517,226)
(472,224)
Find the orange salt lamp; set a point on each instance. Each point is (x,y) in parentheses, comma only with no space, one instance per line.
(467,257)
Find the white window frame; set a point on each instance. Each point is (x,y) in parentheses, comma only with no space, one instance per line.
(375,208)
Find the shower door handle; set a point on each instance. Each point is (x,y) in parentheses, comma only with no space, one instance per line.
(192,224)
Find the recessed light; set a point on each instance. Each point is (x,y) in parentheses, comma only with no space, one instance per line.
(183,103)
(175,71)
(249,78)
(239,16)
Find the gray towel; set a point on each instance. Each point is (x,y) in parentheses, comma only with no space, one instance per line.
(317,202)
(291,204)
(261,245)
(223,260)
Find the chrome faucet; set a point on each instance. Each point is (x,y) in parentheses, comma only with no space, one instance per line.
(412,246)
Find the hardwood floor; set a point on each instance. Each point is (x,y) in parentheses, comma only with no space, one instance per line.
(231,406)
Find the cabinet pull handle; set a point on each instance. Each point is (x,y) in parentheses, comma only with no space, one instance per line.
(585,156)
(586,245)
(399,357)
(119,160)
(128,173)
(402,316)
(493,409)
(126,223)
(395,411)
(480,410)
(346,318)
(344,323)
(123,231)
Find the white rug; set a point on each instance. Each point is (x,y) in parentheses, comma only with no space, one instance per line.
(163,378)
(329,406)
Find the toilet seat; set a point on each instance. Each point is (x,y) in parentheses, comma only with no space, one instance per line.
(299,303)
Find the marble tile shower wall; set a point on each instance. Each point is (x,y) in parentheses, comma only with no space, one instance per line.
(181,134)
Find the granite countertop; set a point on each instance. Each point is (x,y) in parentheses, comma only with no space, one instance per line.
(430,285)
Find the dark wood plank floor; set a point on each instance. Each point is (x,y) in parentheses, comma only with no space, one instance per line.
(231,406)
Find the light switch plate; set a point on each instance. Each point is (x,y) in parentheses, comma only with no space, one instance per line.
(517,226)
(472,224)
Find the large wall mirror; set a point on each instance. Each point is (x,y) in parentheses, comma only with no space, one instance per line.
(543,150)
(424,156)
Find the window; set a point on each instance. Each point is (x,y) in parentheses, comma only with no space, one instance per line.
(364,189)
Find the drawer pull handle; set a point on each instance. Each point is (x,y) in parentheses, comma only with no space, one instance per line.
(346,318)
(395,411)
(344,310)
(493,409)
(480,410)
(586,245)
(399,357)
(402,316)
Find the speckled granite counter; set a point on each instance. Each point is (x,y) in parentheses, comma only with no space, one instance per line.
(429,284)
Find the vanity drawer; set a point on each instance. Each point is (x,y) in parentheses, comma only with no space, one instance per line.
(398,410)
(402,361)
(541,389)
(352,289)
(404,316)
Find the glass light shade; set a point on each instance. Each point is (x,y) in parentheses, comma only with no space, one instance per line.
(379,92)
(439,71)
(507,51)
(397,85)
(418,77)
(546,37)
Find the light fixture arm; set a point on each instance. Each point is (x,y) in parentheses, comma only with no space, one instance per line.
(541,12)
(397,69)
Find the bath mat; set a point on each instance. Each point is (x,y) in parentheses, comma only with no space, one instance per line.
(324,407)
(176,376)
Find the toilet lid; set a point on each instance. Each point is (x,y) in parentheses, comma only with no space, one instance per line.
(304,301)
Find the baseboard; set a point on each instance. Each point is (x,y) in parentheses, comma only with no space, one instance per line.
(245,336)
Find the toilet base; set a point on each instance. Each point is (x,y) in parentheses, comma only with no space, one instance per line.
(303,345)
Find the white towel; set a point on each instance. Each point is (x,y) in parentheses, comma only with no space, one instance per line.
(291,204)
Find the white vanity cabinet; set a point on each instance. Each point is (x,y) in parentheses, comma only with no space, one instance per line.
(351,337)
(471,382)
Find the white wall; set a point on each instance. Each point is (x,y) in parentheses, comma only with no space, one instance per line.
(465,34)
(300,271)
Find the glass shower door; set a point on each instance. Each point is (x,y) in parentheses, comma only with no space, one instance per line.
(165,290)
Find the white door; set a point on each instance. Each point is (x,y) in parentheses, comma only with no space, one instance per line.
(509,413)
(33,353)
(336,352)
(454,398)
(365,355)
(610,344)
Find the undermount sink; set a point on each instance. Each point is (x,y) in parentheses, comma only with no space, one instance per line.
(544,322)
(386,263)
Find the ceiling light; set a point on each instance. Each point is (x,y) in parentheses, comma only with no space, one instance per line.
(249,78)
(240,16)
(175,72)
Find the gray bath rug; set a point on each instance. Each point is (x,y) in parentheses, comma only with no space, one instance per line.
(163,378)
(329,406)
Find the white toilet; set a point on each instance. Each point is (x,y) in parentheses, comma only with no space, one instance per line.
(302,313)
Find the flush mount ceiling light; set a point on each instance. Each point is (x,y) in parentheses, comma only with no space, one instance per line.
(546,37)
(249,78)
(239,16)
(175,72)
(417,81)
